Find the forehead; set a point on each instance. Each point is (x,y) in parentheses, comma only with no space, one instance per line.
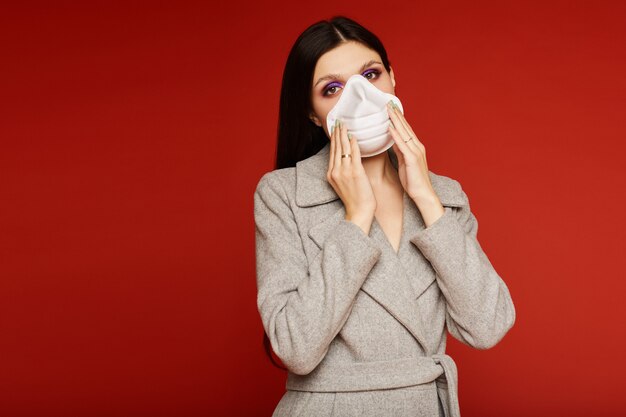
(345,59)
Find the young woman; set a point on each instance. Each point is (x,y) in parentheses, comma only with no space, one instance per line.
(363,262)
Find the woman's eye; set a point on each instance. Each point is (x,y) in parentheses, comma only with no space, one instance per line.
(374,72)
(330,90)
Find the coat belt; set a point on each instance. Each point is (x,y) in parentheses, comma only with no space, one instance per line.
(395,373)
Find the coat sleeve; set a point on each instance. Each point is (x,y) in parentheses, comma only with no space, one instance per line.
(303,304)
(479,308)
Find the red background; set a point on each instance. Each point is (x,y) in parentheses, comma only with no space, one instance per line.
(133,136)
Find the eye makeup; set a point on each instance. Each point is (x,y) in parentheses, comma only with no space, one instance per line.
(334,84)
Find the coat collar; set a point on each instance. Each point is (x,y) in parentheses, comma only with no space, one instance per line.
(312,188)
(402,277)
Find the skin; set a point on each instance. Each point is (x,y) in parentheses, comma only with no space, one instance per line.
(371,187)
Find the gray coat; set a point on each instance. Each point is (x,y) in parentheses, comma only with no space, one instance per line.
(360,327)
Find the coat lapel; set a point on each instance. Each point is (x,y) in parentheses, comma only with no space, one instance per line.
(312,189)
(397,280)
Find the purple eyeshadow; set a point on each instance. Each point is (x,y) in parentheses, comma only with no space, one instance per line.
(336,84)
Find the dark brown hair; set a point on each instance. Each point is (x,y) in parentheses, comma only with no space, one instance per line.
(298,137)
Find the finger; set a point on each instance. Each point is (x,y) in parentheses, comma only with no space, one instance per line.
(338,150)
(398,153)
(356,151)
(407,127)
(331,162)
(405,130)
(345,144)
(404,149)
(403,121)
(396,122)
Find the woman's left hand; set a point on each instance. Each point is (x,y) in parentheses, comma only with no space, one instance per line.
(411,153)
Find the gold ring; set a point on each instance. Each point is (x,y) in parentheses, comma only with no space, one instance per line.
(346,155)
(409,139)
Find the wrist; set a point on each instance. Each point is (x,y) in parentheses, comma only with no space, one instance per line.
(363,221)
(426,200)
(430,208)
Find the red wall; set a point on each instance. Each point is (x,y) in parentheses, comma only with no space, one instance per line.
(133,136)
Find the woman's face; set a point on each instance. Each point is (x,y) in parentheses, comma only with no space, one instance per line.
(333,70)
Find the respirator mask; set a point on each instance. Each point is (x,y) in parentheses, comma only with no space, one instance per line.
(362,108)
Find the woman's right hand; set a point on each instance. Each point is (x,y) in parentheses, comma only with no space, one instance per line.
(349,180)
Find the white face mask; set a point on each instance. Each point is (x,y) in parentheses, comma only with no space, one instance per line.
(363,109)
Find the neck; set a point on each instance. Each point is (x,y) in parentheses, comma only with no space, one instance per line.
(380,170)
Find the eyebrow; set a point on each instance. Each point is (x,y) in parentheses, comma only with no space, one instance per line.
(338,76)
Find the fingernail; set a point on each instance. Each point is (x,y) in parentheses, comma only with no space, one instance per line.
(332,129)
(336,122)
(390,104)
(349,136)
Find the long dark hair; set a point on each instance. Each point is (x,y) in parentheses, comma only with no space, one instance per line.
(298,137)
